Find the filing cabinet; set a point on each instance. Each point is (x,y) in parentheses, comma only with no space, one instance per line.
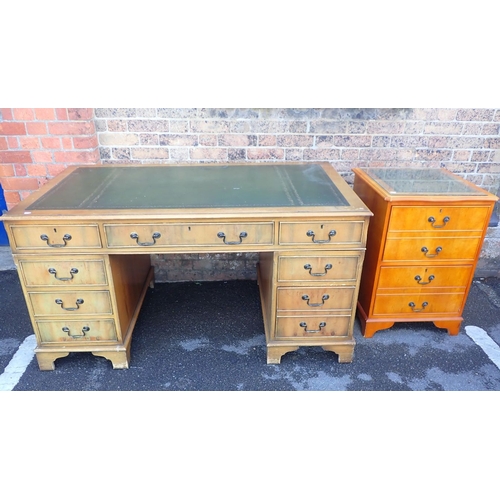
(423,244)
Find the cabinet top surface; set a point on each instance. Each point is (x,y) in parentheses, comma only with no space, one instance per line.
(422,182)
(107,190)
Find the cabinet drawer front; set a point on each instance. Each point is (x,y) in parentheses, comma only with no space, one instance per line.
(56,238)
(77,331)
(321,233)
(438,218)
(429,249)
(419,305)
(312,326)
(427,277)
(315,299)
(67,273)
(163,235)
(316,268)
(67,303)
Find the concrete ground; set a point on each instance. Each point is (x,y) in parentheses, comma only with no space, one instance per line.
(6,260)
(209,336)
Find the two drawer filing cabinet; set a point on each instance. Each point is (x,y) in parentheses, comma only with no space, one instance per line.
(423,245)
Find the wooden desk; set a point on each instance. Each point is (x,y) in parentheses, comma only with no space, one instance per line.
(82,246)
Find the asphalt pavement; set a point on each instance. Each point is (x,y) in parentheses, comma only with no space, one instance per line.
(209,336)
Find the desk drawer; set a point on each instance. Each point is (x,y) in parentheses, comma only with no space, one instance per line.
(315,299)
(438,218)
(70,303)
(329,233)
(429,249)
(77,331)
(318,268)
(164,235)
(72,272)
(58,238)
(312,327)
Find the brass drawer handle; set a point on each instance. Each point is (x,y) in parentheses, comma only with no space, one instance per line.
(317,304)
(430,255)
(65,238)
(155,236)
(309,267)
(222,235)
(303,325)
(78,303)
(432,220)
(72,271)
(412,305)
(420,282)
(330,234)
(85,329)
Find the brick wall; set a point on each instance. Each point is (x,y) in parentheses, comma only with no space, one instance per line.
(35,144)
(466,141)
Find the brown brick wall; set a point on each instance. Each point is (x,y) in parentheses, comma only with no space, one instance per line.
(205,267)
(465,141)
(36,144)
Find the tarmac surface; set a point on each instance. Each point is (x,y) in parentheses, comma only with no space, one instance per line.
(209,336)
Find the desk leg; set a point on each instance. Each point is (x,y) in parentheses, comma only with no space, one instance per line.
(46,359)
(119,359)
(274,353)
(344,352)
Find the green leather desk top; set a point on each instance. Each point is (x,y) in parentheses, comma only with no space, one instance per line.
(204,186)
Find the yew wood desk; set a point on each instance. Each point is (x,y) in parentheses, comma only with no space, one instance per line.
(82,246)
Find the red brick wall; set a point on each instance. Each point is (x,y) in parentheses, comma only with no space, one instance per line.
(38,143)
